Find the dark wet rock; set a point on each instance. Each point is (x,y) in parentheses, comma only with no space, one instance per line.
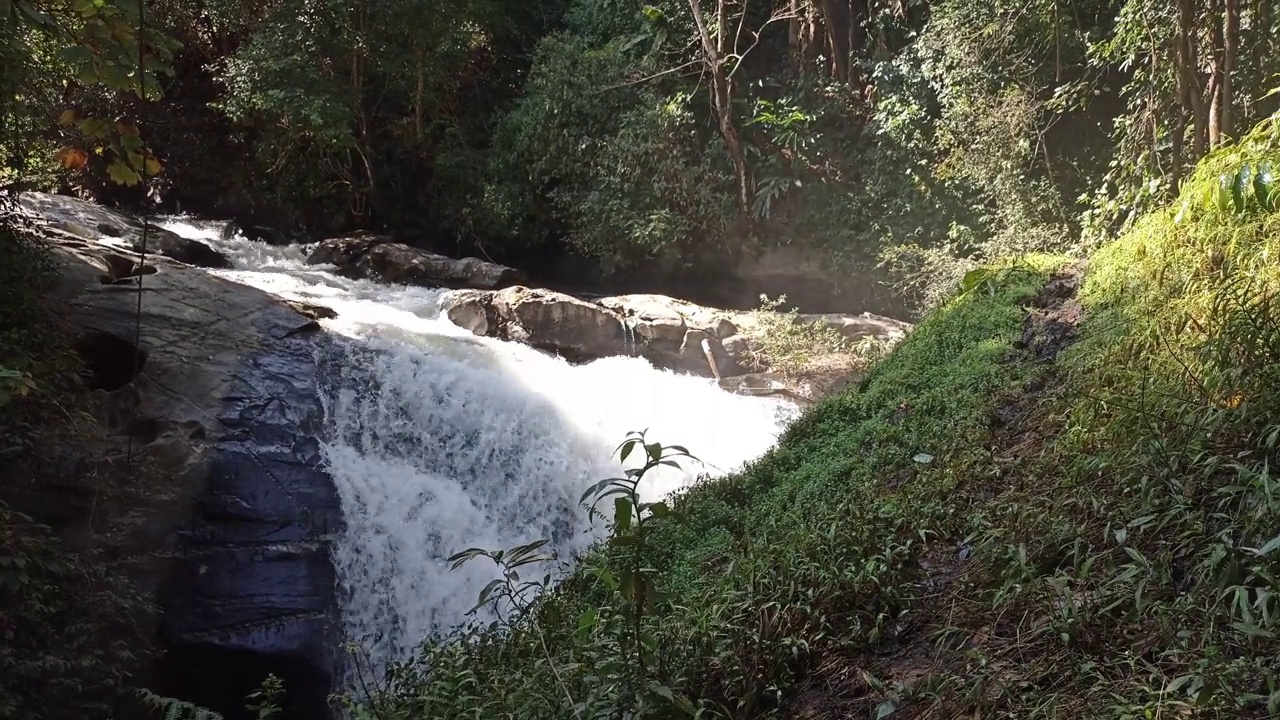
(344,251)
(220,395)
(376,257)
(258,233)
(174,246)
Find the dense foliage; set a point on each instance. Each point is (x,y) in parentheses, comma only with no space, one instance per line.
(675,135)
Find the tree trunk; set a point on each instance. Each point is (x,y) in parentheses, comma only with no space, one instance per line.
(835,19)
(1181,108)
(419,91)
(361,114)
(1216,62)
(1057,43)
(1231,39)
(1189,76)
(722,98)
(795,31)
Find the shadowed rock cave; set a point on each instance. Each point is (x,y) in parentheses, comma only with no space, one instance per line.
(110,361)
(221,679)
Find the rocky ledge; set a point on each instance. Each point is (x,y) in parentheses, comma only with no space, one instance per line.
(672,334)
(94,223)
(377,257)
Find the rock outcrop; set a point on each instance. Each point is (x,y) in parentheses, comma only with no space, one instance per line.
(670,333)
(218,397)
(95,223)
(376,257)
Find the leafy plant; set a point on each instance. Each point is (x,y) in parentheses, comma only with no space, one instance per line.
(14,384)
(786,343)
(265,702)
(175,709)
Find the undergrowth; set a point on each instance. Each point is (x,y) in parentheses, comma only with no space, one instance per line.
(70,624)
(788,344)
(1137,567)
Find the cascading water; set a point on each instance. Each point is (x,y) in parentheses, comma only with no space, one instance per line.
(439,441)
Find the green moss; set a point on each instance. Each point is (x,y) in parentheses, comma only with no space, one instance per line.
(933,395)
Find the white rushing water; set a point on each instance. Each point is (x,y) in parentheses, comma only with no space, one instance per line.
(439,440)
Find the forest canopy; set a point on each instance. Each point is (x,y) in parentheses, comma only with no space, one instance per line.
(924,136)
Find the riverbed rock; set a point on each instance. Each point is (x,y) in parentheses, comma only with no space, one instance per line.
(174,246)
(377,257)
(672,334)
(551,321)
(95,223)
(218,397)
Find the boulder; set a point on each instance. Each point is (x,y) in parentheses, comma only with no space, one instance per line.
(669,332)
(257,233)
(174,246)
(219,398)
(344,251)
(551,321)
(376,257)
(95,223)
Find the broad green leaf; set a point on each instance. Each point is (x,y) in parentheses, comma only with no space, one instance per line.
(486,593)
(87,75)
(627,585)
(1222,194)
(1238,185)
(123,174)
(93,128)
(76,54)
(36,15)
(974,278)
(1270,546)
(605,577)
(1265,188)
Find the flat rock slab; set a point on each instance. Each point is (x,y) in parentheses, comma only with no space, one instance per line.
(95,223)
(223,380)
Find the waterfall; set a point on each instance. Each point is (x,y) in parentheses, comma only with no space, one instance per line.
(438,440)
(629,336)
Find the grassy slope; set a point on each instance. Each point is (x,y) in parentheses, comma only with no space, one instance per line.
(1093,536)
